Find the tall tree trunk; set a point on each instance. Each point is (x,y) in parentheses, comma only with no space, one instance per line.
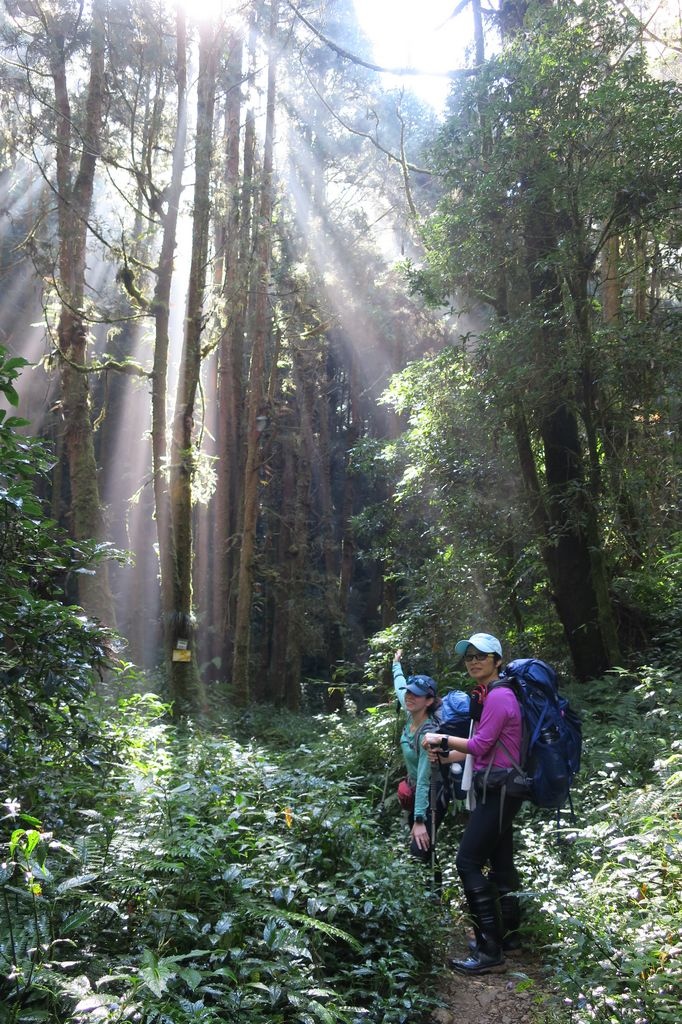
(571,544)
(168,565)
(610,280)
(348,542)
(240,664)
(242,299)
(187,690)
(125,422)
(614,434)
(74,202)
(230,375)
(216,520)
(571,548)
(479,37)
(641,282)
(280,617)
(330,552)
(299,549)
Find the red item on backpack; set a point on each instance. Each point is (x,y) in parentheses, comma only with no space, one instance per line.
(406,793)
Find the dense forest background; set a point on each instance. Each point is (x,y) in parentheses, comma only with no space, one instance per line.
(325,364)
(296,369)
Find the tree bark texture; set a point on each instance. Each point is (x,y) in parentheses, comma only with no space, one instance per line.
(299,551)
(230,389)
(187,690)
(571,534)
(256,393)
(74,202)
(168,565)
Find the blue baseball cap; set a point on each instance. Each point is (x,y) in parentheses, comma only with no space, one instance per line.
(421,686)
(485,642)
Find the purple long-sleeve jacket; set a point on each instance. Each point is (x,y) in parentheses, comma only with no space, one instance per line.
(501,719)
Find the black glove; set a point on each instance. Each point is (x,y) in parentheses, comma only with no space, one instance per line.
(478,695)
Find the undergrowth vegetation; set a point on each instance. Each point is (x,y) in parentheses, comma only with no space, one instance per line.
(242,873)
(185,876)
(605,902)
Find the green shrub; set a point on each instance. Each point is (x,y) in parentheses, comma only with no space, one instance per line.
(606,905)
(50,653)
(208,878)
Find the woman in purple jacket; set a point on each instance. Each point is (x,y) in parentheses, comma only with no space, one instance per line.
(488,836)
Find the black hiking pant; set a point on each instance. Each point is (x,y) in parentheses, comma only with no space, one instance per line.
(487,839)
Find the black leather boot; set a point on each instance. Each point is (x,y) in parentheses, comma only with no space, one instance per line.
(484,908)
(511,919)
(510,909)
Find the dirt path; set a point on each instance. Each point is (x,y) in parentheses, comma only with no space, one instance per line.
(515,997)
(519,995)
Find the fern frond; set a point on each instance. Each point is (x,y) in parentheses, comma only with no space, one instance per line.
(321,926)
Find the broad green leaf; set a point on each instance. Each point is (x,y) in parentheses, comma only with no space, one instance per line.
(77,882)
(191,976)
(157,972)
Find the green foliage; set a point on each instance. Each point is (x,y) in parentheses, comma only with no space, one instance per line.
(198,875)
(50,653)
(563,141)
(208,881)
(458,549)
(606,902)
(241,874)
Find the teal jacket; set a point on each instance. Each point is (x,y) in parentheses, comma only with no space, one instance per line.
(415,757)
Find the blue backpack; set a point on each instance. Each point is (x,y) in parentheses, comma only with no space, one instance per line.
(454,717)
(552,734)
(454,713)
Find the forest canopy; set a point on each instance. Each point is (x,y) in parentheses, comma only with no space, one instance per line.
(286,329)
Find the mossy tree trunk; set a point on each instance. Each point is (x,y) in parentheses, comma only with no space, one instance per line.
(255,407)
(77,149)
(187,690)
(234,253)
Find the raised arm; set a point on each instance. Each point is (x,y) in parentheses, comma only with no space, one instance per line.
(399,681)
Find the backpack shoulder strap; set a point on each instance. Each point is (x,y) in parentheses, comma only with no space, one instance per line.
(430,725)
(512,683)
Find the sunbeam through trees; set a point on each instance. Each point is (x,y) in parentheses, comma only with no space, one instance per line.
(226,234)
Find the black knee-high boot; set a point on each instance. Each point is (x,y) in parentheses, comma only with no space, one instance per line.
(511,919)
(484,908)
(510,910)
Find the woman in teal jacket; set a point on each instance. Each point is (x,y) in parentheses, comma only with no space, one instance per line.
(418,697)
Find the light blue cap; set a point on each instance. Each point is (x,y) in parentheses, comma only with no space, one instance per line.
(485,642)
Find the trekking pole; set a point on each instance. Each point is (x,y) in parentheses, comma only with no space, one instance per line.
(436,873)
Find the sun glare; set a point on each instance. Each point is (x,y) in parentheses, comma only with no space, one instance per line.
(213,10)
(403,33)
(417,35)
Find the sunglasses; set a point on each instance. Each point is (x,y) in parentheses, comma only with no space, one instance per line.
(478,656)
(425,689)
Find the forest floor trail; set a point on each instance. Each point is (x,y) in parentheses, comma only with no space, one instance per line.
(516,996)
(520,994)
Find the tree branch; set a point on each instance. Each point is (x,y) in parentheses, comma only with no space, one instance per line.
(347,55)
(365,135)
(458,10)
(404,167)
(647,31)
(128,367)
